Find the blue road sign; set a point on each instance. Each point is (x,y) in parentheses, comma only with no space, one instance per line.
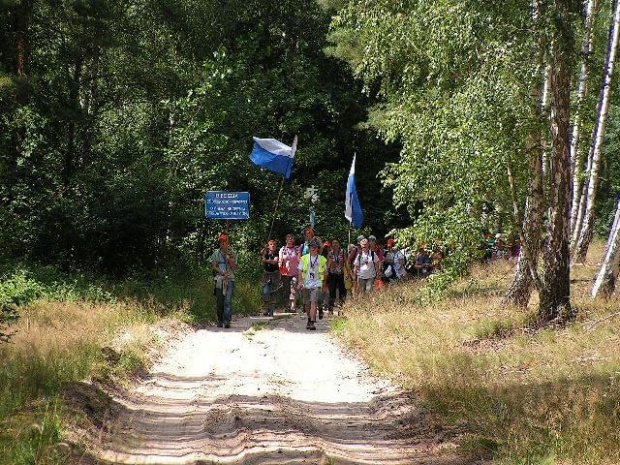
(220,205)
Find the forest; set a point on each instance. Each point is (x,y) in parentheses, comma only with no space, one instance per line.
(466,118)
(118,116)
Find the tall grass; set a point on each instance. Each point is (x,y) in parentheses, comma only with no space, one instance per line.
(64,322)
(525,396)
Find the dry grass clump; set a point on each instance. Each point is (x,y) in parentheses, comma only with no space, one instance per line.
(55,343)
(527,395)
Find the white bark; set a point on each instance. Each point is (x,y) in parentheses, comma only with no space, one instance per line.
(605,282)
(585,236)
(545,108)
(582,92)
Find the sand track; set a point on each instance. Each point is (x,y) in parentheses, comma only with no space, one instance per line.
(262,392)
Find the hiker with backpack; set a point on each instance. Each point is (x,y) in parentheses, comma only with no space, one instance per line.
(394,263)
(367,268)
(337,267)
(271,281)
(311,276)
(224,265)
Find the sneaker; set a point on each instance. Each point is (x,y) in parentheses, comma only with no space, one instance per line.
(227,325)
(220,324)
(312,326)
(309,325)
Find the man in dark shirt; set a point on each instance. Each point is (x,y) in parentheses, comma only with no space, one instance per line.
(271,277)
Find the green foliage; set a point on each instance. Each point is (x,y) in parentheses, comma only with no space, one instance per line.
(455,83)
(18,289)
(128,112)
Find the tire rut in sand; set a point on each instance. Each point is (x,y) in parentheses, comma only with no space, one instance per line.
(269,394)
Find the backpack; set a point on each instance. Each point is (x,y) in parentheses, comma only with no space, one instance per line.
(358,257)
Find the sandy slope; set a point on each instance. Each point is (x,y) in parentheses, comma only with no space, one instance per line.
(273,393)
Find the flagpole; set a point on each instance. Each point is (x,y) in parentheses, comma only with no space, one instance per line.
(275,210)
(349,234)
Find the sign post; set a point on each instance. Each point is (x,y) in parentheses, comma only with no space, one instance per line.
(220,205)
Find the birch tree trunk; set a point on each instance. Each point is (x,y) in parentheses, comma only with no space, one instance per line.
(605,282)
(520,290)
(526,276)
(587,228)
(555,290)
(582,92)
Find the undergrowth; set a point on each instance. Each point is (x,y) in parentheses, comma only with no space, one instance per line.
(524,395)
(63,328)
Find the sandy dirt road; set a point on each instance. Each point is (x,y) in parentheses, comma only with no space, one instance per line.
(265,392)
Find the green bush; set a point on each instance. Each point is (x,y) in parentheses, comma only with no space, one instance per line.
(15,290)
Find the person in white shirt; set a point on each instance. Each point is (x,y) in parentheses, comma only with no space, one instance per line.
(289,259)
(394,259)
(367,268)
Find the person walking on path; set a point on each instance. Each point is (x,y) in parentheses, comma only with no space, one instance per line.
(353,253)
(288,259)
(271,277)
(305,247)
(224,263)
(367,268)
(394,262)
(311,276)
(336,266)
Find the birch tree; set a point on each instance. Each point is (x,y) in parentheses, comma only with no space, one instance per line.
(526,276)
(582,91)
(584,228)
(555,289)
(605,282)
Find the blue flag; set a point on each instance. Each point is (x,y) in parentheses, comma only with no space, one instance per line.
(353,209)
(274,156)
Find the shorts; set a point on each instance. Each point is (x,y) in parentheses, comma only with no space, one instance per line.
(311,295)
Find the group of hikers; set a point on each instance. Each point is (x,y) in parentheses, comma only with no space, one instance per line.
(318,273)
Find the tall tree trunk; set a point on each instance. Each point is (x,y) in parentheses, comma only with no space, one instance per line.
(555,290)
(587,229)
(21,27)
(526,276)
(582,92)
(605,282)
(69,161)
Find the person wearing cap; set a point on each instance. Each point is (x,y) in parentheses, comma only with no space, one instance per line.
(272,281)
(356,248)
(311,275)
(394,262)
(367,268)
(336,268)
(224,264)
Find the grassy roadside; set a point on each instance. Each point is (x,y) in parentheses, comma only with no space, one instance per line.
(548,396)
(77,327)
